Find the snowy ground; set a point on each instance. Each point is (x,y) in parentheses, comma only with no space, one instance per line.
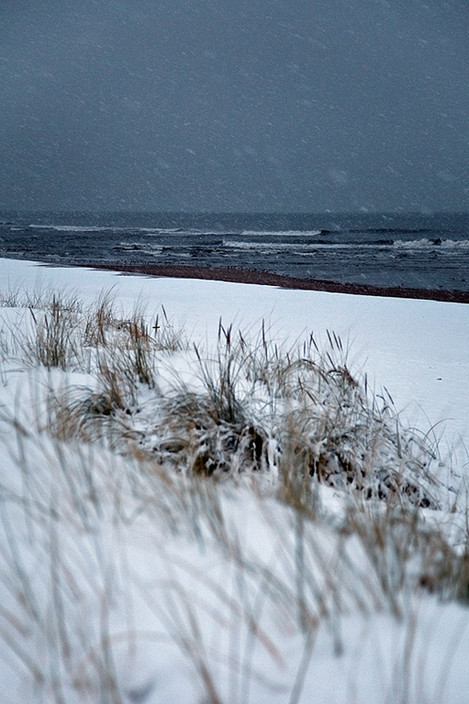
(417,349)
(158,592)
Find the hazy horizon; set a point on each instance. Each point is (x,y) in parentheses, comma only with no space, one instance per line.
(250,213)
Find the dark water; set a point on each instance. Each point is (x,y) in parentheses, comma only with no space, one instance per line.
(421,251)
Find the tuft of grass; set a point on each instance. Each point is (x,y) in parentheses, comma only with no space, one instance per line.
(140,348)
(165,336)
(54,342)
(293,415)
(99,320)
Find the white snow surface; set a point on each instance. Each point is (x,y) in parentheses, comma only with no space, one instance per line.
(417,349)
(171,598)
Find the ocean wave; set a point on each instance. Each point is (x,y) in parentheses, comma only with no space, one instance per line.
(463,244)
(75,228)
(138,247)
(425,243)
(393,230)
(268,246)
(281,233)
(305,246)
(421,244)
(107,228)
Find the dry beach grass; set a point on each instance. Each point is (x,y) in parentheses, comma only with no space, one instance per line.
(140,466)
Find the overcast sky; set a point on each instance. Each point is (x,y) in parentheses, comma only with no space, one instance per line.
(234,105)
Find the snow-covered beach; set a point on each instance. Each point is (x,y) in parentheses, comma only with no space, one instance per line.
(234,369)
(114,590)
(416,348)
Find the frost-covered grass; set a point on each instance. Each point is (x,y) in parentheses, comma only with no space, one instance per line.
(229,522)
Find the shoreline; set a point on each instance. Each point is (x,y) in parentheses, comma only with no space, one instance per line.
(264,278)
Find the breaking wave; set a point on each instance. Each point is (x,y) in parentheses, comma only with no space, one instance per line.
(425,243)
(281,233)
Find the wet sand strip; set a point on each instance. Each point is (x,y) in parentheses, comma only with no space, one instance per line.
(264,278)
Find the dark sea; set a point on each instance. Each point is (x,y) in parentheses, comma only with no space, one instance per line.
(428,251)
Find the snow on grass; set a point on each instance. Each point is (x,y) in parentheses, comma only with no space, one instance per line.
(196,511)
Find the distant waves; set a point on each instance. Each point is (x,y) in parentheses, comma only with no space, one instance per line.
(406,251)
